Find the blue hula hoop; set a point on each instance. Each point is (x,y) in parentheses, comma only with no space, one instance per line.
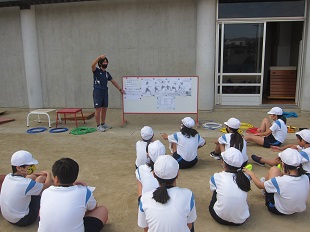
(58,130)
(36,130)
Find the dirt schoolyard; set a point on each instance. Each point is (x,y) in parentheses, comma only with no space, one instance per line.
(107,162)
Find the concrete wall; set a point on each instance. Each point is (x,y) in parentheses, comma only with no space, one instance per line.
(139,37)
(13,89)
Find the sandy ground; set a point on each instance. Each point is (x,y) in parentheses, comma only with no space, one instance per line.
(107,161)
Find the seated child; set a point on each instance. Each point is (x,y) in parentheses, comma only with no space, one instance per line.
(303,146)
(21,189)
(184,144)
(270,135)
(147,135)
(70,205)
(167,208)
(286,191)
(231,139)
(144,173)
(229,205)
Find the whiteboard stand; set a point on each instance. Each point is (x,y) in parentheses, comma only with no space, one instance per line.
(160,95)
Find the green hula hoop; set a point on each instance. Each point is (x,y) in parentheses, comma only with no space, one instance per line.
(82,130)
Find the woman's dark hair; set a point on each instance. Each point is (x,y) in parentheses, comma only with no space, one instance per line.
(236,140)
(66,170)
(161,194)
(188,132)
(287,168)
(100,61)
(282,118)
(300,138)
(240,178)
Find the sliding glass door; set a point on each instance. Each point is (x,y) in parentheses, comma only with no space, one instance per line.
(240,55)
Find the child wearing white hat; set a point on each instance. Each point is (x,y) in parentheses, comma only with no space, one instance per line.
(231,139)
(147,136)
(184,144)
(144,173)
(21,189)
(270,134)
(228,205)
(168,208)
(286,190)
(303,146)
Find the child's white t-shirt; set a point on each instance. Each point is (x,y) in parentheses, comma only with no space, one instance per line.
(171,216)
(279,130)
(225,139)
(305,160)
(290,193)
(231,204)
(63,208)
(141,153)
(186,147)
(16,195)
(146,178)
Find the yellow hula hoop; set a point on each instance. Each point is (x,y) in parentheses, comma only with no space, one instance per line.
(246,126)
(224,130)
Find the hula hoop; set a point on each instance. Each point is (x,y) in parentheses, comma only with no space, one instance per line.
(211,125)
(58,130)
(224,130)
(36,130)
(245,126)
(252,130)
(82,130)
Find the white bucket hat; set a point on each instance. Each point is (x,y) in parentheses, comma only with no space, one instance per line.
(233,123)
(232,157)
(276,110)
(147,133)
(290,157)
(166,167)
(188,122)
(156,149)
(22,157)
(305,135)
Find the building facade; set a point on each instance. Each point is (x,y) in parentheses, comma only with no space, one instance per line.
(246,53)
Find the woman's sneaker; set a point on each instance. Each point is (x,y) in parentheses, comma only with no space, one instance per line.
(106,126)
(257,159)
(100,128)
(215,156)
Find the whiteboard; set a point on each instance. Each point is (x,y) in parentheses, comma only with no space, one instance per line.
(160,94)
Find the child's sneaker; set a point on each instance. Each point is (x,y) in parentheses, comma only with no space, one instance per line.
(257,159)
(215,156)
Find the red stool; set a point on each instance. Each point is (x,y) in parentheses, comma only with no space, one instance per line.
(68,111)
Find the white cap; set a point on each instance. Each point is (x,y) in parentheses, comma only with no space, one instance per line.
(156,149)
(233,123)
(232,157)
(188,122)
(290,157)
(22,157)
(147,133)
(305,135)
(276,110)
(166,167)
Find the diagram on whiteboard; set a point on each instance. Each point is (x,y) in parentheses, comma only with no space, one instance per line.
(145,94)
(144,87)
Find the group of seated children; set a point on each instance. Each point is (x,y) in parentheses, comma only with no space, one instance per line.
(64,203)
(228,205)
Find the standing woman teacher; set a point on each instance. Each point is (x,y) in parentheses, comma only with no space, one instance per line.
(100,92)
